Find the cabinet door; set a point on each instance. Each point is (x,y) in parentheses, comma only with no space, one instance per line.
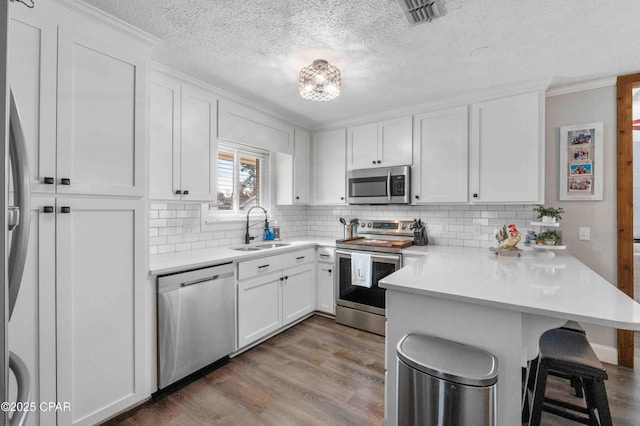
(297,293)
(164,137)
(32,77)
(301,167)
(199,146)
(394,142)
(101,111)
(32,329)
(362,146)
(440,166)
(325,289)
(100,277)
(330,173)
(507,155)
(259,308)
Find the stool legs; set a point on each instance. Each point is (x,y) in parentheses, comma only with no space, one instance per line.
(597,402)
(539,387)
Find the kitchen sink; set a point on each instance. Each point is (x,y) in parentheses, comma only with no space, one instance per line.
(248,248)
(273,245)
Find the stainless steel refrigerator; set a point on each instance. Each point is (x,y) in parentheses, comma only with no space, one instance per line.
(15,234)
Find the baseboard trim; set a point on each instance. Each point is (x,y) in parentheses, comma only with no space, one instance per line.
(606,353)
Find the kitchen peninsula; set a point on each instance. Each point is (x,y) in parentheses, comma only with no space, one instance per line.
(500,304)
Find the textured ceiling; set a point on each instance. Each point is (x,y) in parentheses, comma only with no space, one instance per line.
(257,48)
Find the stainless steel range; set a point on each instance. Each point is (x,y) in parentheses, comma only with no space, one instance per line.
(361,262)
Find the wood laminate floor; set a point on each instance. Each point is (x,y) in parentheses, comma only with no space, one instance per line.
(321,373)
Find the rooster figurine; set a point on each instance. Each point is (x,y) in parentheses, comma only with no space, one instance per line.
(508,237)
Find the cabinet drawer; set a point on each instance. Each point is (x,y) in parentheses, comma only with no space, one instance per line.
(325,254)
(261,266)
(298,257)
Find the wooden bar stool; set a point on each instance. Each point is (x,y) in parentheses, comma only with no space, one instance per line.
(568,353)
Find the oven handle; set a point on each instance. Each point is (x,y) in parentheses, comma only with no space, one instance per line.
(389,185)
(373,256)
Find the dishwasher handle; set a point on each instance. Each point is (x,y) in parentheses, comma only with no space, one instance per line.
(198,281)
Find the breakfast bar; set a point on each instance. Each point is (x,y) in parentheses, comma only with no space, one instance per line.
(501,304)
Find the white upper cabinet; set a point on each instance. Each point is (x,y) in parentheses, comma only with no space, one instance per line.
(383,144)
(440,156)
(32,76)
(292,175)
(101,111)
(183,148)
(198,146)
(330,173)
(248,126)
(506,150)
(80,89)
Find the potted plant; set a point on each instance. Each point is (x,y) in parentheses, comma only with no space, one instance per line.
(549,238)
(548,214)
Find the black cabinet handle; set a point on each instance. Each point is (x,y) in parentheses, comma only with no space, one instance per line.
(286,277)
(329,270)
(475,195)
(65,209)
(379,162)
(297,198)
(47,209)
(417,197)
(374,161)
(342,198)
(178,192)
(281,279)
(49,180)
(65,181)
(185,192)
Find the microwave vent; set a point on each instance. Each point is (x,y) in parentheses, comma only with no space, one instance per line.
(419,11)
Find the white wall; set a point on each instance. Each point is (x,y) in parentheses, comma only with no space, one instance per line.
(600,252)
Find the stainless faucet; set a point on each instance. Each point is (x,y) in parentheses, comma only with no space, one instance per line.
(247,238)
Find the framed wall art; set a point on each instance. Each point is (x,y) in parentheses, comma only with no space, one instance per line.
(581,162)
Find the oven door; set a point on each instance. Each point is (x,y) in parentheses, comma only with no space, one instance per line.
(369,299)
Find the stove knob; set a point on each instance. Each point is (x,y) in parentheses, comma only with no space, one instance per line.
(404,226)
(369,225)
(362,225)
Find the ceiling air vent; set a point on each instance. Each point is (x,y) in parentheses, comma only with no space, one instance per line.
(417,11)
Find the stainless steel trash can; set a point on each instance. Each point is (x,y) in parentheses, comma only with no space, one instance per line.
(444,383)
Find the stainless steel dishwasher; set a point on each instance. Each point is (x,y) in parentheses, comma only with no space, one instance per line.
(196,311)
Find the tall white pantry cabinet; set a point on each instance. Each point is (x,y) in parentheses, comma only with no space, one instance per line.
(80,84)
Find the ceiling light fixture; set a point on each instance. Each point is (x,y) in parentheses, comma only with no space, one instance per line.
(320,81)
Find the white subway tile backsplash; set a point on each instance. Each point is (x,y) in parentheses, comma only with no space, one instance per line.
(176,226)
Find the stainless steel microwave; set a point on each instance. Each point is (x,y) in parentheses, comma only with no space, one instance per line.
(382,185)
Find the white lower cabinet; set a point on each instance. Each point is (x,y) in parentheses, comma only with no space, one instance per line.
(273,293)
(32,329)
(99,317)
(297,293)
(259,308)
(325,286)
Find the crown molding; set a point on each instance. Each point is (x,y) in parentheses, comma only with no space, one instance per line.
(580,87)
(192,81)
(103,17)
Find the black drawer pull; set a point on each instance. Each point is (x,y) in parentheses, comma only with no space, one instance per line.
(65,181)
(47,209)
(260,268)
(49,180)
(300,258)
(324,255)
(65,209)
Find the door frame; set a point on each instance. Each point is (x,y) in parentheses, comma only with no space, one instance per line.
(624,201)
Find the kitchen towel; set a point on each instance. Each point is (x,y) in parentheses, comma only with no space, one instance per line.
(361,269)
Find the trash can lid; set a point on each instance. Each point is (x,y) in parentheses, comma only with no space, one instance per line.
(447,360)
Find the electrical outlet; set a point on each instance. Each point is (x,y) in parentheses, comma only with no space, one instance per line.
(584,233)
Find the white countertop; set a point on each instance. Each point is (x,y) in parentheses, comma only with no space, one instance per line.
(560,287)
(183,260)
